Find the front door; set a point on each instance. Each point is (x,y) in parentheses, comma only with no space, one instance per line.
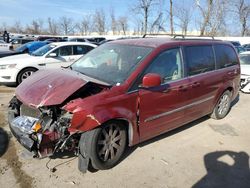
(64,57)
(163,109)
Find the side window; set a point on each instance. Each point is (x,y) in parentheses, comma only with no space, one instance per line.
(80,50)
(225,56)
(167,65)
(200,59)
(65,51)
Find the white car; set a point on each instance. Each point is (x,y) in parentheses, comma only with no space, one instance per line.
(245,71)
(14,69)
(5,46)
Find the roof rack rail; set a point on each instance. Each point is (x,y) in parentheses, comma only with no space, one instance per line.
(175,36)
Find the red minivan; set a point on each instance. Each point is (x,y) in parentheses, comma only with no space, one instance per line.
(123,93)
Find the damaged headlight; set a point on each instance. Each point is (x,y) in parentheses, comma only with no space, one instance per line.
(25,124)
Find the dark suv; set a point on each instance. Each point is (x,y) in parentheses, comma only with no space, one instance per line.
(123,93)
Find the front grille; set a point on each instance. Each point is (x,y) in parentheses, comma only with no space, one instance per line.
(29,111)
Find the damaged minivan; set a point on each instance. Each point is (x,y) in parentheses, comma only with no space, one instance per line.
(123,93)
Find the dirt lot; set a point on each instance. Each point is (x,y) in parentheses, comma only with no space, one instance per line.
(206,153)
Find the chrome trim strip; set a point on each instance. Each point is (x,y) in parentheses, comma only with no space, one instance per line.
(177,109)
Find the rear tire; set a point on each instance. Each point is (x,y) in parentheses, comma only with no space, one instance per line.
(223,106)
(25,74)
(107,145)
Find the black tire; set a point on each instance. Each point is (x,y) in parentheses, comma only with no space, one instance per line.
(25,73)
(223,106)
(108,143)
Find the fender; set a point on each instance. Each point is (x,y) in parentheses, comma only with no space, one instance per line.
(94,111)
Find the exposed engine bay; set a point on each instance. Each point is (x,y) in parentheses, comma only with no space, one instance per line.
(44,130)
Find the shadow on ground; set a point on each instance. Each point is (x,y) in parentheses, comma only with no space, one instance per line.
(4,141)
(225,169)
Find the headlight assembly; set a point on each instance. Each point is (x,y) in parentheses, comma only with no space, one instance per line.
(10,66)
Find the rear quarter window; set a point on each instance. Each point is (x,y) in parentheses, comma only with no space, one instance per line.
(225,56)
(200,59)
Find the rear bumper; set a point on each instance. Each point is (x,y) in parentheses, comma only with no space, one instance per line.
(23,138)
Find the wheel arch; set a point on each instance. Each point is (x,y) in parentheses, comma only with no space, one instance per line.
(129,128)
(23,70)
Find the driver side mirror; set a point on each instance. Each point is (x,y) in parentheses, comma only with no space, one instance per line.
(52,55)
(151,80)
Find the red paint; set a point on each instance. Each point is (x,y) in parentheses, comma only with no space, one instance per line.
(151,80)
(119,102)
(49,87)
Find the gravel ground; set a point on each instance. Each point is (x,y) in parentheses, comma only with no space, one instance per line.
(205,153)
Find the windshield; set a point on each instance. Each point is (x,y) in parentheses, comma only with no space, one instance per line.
(43,50)
(112,63)
(245,59)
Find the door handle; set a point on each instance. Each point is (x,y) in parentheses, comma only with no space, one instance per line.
(195,84)
(42,64)
(183,88)
(231,73)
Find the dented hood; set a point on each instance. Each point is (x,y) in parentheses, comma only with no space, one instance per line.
(49,87)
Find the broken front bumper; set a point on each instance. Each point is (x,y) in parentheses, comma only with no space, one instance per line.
(22,136)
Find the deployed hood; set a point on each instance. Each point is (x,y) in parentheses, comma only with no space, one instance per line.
(21,58)
(245,69)
(49,87)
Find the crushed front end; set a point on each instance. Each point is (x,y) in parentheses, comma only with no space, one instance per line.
(43,130)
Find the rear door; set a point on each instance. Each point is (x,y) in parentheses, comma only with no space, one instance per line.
(163,108)
(204,80)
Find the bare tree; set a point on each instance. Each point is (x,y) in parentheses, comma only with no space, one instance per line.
(100,21)
(113,22)
(138,26)
(242,9)
(16,28)
(66,25)
(157,25)
(171,17)
(217,24)
(123,24)
(184,16)
(213,14)
(35,27)
(85,25)
(144,7)
(206,14)
(53,27)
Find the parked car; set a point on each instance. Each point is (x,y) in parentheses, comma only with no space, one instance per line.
(5,46)
(245,71)
(82,40)
(49,38)
(25,48)
(235,43)
(123,92)
(238,46)
(240,49)
(246,46)
(16,68)
(20,41)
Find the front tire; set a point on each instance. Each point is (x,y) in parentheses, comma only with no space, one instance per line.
(25,74)
(223,106)
(108,143)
